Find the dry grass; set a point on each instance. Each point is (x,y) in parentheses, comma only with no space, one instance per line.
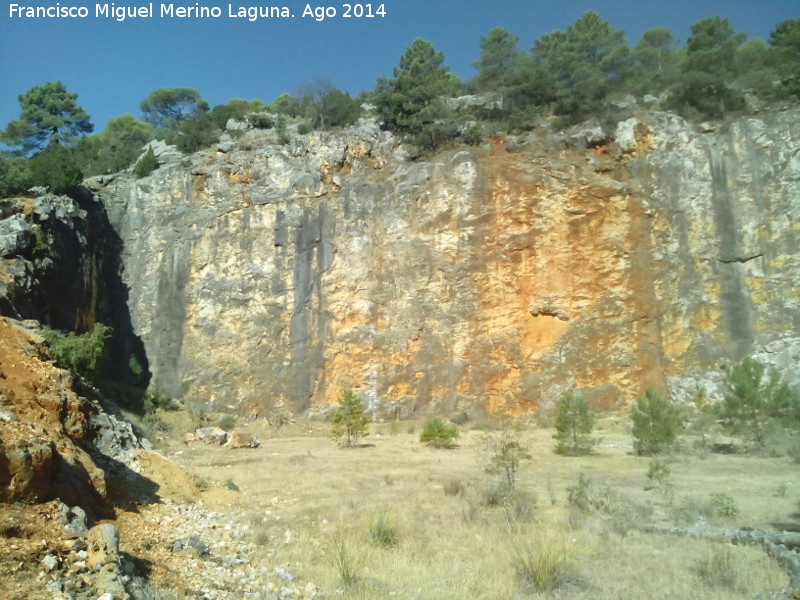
(312,503)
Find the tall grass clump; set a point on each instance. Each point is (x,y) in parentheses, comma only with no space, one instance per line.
(344,561)
(718,568)
(382,530)
(542,564)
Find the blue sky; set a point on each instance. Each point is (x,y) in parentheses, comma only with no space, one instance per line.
(113,66)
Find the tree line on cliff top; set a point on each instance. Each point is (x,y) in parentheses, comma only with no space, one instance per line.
(582,71)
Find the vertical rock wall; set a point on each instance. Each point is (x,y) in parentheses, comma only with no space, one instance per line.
(479,277)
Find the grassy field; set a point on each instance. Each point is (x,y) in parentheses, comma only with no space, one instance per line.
(396,519)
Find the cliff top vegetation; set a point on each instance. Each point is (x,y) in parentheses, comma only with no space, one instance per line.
(586,70)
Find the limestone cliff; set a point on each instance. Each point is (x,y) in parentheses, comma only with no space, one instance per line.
(497,276)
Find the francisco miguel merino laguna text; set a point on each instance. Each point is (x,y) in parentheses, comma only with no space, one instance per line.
(176,11)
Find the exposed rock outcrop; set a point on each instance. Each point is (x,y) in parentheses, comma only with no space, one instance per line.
(289,273)
(54,443)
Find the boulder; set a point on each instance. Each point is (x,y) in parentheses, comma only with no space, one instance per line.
(103,545)
(241,439)
(26,469)
(211,435)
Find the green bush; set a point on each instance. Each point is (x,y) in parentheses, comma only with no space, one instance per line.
(722,506)
(660,476)
(56,169)
(436,433)
(472,136)
(227,422)
(655,424)
(461,418)
(14,175)
(261,121)
(81,354)
(303,129)
(146,164)
(157,399)
(574,423)
(505,453)
(755,400)
(349,420)
(196,133)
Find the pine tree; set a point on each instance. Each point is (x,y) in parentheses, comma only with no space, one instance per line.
(655,424)
(349,420)
(574,423)
(50,115)
(413,101)
(584,64)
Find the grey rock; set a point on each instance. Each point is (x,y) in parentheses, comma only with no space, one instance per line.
(489,101)
(192,543)
(61,208)
(587,134)
(625,135)
(15,235)
(235,125)
(211,435)
(49,562)
(249,281)
(226,146)
(164,153)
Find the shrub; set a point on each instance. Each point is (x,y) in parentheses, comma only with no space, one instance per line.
(753,399)
(157,399)
(382,531)
(574,423)
(721,505)
(261,121)
(81,354)
(146,164)
(196,132)
(472,136)
(579,494)
(303,129)
(505,454)
(349,420)
(55,168)
(660,476)
(655,424)
(436,433)
(14,175)
(687,510)
(227,422)
(461,418)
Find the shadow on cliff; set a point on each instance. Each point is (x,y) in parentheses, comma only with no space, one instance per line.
(100,295)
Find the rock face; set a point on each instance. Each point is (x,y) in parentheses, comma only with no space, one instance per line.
(54,443)
(285,274)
